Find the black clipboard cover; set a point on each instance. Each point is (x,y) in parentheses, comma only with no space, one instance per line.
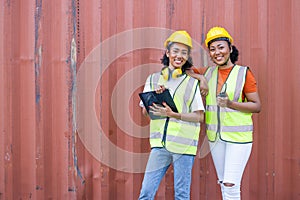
(148,98)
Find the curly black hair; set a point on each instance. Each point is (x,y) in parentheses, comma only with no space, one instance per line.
(234,55)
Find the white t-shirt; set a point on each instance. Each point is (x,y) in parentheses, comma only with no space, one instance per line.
(172,84)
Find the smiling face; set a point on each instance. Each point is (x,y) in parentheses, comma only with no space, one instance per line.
(219,52)
(178,55)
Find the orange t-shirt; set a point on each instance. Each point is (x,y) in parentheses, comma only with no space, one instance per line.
(250,83)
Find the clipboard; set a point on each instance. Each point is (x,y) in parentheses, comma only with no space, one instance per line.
(148,98)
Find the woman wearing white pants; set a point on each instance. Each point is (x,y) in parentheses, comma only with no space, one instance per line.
(230,160)
(230,102)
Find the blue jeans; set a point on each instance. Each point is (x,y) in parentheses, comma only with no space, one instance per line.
(159,161)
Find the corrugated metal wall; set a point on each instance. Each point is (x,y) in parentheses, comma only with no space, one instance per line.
(70,74)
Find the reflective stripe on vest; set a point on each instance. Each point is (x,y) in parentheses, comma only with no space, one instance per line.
(230,124)
(181,136)
(177,139)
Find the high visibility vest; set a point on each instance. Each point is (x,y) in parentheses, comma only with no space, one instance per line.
(175,135)
(231,125)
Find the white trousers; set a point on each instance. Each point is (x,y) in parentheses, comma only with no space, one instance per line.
(230,160)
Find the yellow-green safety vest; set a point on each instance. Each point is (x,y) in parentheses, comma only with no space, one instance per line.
(231,125)
(175,135)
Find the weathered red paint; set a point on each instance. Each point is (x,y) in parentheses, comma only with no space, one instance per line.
(42,47)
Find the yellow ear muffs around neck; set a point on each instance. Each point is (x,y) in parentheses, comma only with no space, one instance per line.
(176,73)
(167,73)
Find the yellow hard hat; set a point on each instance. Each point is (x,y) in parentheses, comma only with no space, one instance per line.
(181,37)
(217,32)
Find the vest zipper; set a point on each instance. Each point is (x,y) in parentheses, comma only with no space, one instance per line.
(219,121)
(163,142)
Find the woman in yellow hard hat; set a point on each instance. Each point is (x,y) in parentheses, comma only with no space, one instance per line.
(231,100)
(173,135)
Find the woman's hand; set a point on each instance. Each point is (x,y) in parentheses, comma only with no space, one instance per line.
(161,110)
(203,87)
(165,111)
(252,105)
(201,78)
(223,101)
(160,89)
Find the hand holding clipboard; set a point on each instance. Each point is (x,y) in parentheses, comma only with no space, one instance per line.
(150,98)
